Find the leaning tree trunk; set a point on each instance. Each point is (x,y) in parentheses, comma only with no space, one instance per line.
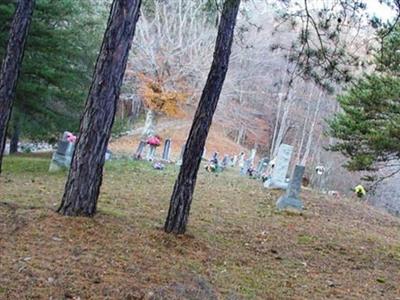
(184,186)
(12,64)
(85,176)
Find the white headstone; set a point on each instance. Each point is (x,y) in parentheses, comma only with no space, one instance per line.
(234,160)
(180,158)
(7,149)
(151,153)
(253,155)
(278,176)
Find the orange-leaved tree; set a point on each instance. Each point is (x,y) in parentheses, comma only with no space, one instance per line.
(159,100)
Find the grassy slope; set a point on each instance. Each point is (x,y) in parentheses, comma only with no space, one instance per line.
(236,243)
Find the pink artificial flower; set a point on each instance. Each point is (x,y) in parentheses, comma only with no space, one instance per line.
(71,138)
(154,141)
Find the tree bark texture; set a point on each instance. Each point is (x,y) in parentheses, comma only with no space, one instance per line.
(184,186)
(86,172)
(11,65)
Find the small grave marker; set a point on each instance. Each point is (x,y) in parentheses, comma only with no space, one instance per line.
(262,165)
(167,150)
(179,160)
(139,151)
(62,157)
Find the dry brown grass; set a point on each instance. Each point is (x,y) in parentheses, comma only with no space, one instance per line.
(237,246)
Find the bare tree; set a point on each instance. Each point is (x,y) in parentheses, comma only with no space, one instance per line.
(311,132)
(173,45)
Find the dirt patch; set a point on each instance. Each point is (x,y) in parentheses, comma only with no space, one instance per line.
(178,133)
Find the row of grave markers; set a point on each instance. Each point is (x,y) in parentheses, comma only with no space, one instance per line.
(62,158)
(151,151)
(166,154)
(277,179)
(291,199)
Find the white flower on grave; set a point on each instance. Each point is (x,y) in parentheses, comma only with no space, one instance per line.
(320,170)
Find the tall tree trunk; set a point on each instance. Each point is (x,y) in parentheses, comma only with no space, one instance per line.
(181,198)
(311,133)
(15,137)
(86,173)
(11,65)
(283,126)
(240,134)
(278,112)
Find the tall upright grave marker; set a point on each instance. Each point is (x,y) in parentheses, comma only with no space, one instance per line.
(279,172)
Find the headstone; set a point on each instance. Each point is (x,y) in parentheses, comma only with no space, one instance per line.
(7,149)
(214,158)
(203,156)
(65,135)
(253,155)
(246,167)
(279,172)
(225,162)
(62,157)
(241,160)
(234,161)
(151,153)
(108,155)
(167,150)
(179,160)
(262,165)
(139,152)
(291,199)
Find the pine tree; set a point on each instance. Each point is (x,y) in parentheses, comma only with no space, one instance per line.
(368,128)
(11,65)
(60,54)
(85,176)
(182,195)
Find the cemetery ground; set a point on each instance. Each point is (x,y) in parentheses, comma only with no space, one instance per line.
(237,245)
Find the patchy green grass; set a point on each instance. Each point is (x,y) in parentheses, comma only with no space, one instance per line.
(236,245)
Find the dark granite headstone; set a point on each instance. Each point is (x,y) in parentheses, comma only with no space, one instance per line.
(62,157)
(225,161)
(139,151)
(62,147)
(167,150)
(292,197)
